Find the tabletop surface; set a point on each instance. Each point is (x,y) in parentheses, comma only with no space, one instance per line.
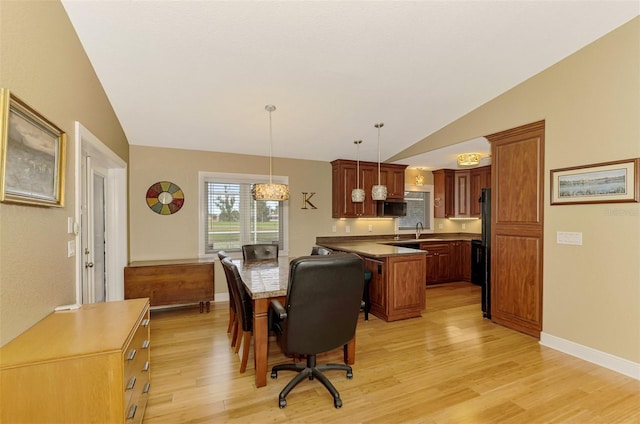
(264,278)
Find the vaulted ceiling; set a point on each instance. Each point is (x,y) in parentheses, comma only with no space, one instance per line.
(198,74)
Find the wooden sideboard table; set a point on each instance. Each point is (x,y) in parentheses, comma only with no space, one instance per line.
(171,282)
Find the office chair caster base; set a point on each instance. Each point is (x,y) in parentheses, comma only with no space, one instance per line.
(349,375)
(337,403)
(274,374)
(282,403)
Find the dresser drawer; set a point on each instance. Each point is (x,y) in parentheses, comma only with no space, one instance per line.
(136,370)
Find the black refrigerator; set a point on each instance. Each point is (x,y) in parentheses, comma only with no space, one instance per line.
(485,201)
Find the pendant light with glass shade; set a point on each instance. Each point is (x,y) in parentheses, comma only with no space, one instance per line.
(357,194)
(379,192)
(271,191)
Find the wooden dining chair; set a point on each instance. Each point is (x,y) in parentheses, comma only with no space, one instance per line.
(259,251)
(244,311)
(232,327)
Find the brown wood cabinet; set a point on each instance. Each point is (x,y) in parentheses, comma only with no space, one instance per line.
(443,193)
(344,179)
(479,178)
(396,289)
(517,228)
(438,263)
(447,261)
(86,365)
(461,190)
(171,282)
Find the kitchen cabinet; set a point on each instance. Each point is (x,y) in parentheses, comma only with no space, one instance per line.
(396,289)
(438,263)
(344,178)
(456,193)
(443,193)
(479,178)
(461,190)
(447,261)
(85,365)
(393,177)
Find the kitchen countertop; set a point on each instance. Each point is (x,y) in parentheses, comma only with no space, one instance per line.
(383,246)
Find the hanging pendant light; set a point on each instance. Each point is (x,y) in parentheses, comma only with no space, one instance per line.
(264,191)
(379,192)
(357,194)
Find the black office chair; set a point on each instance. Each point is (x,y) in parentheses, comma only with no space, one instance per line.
(244,310)
(322,306)
(259,251)
(319,250)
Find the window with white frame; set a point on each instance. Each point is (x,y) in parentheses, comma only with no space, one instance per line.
(230,217)
(418,210)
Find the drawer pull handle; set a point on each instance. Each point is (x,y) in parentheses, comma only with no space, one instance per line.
(146,366)
(132,382)
(146,388)
(145,344)
(132,411)
(145,322)
(132,354)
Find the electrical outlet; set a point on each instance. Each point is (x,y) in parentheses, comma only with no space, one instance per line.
(440,226)
(347,229)
(566,237)
(464,226)
(333,228)
(370,228)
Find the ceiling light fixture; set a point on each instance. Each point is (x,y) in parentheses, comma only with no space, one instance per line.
(357,194)
(468,159)
(419,178)
(379,192)
(264,191)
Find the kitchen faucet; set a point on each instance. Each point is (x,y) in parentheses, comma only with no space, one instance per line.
(419,229)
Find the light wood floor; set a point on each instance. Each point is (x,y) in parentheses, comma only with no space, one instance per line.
(450,366)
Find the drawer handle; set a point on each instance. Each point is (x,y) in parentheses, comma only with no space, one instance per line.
(146,388)
(145,344)
(146,366)
(132,382)
(145,322)
(132,354)
(132,411)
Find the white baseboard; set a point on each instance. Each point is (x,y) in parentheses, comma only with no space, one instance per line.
(614,363)
(221,297)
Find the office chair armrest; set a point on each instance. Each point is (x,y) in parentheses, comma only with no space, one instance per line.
(278,309)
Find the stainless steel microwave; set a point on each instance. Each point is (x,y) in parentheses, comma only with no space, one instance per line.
(391,208)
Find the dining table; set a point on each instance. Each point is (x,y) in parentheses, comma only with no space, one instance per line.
(266,280)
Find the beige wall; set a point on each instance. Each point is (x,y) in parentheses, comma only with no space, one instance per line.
(591,104)
(43,63)
(154,236)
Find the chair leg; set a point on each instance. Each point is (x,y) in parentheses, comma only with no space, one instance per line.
(232,320)
(238,337)
(246,341)
(327,384)
(302,375)
(234,332)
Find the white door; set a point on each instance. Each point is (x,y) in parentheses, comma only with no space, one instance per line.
(94,241)
(101,211)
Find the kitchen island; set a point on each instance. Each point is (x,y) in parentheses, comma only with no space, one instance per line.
(396,289)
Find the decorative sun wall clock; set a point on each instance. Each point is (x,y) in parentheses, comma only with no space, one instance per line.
(165,198)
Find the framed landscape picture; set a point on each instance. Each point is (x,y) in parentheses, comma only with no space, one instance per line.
(607,182)
(32,155)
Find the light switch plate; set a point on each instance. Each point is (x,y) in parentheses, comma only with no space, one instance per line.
(567,237)
(71,248)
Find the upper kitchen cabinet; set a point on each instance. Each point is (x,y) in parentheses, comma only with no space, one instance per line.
(443,193)
(393,177)
(456,193)
(344,180)
(479,178)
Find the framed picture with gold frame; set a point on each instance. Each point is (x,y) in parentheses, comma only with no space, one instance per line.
(32,155)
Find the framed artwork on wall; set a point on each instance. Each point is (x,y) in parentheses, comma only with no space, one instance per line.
(606,182)
(32,155)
